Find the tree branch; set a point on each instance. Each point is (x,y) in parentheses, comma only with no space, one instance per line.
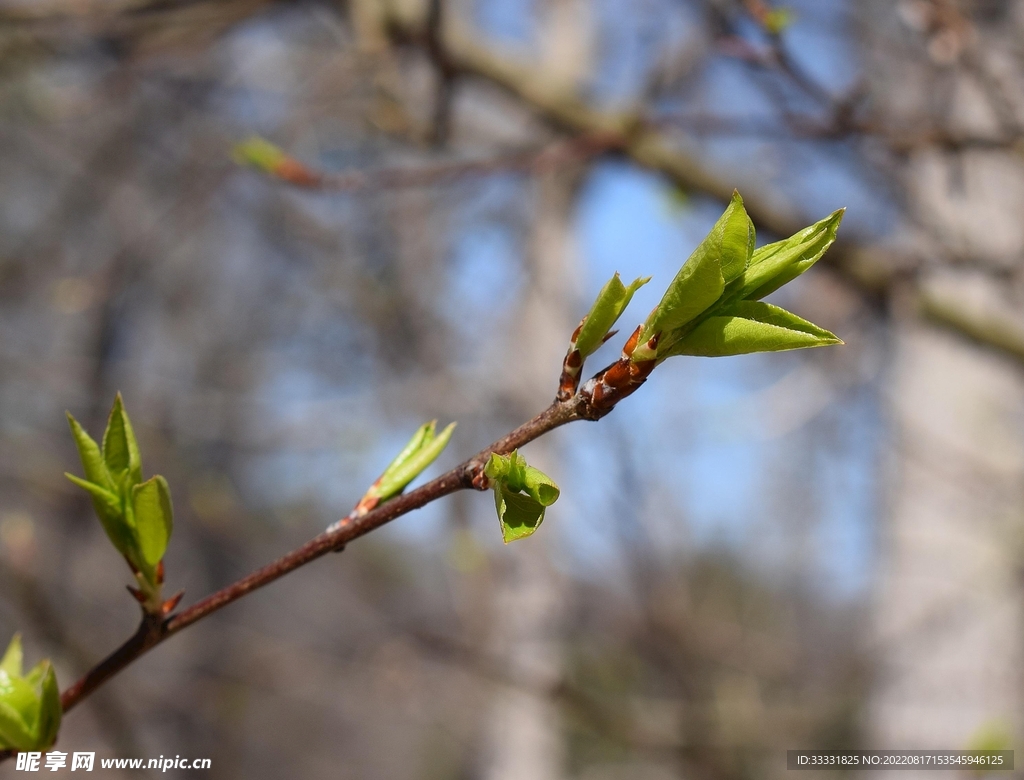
(872,270)
(468,474)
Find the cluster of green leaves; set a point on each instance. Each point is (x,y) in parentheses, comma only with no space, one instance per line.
(521,494)
(136,515)
(30,708)
(713,306)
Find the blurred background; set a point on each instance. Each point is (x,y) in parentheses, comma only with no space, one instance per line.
(801,550)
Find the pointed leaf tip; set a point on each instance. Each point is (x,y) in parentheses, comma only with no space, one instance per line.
(12,660)
(120,449)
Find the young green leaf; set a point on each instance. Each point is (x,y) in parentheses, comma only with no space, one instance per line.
(520,515)
(15,733)
(735,232)
(424,433)
(412,462)
(776,264)
(50,710)
(12,660)
(120,449)
(259,153)
(521,494)
(111,515)
(539,486)
(151,502)
(752,326)
(611,302)
(721,256)
(92,459)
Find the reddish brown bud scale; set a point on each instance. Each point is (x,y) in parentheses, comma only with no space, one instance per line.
(294,172)
(160,573)
(617,376)
(168,606)
(576,333)
(366,504)
(139,597)
(630,345)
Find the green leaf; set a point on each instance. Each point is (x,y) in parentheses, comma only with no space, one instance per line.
(611,302)
(50,710)
(778,19)
(736,236)
(752,326)
(521,494)
(120,450)
(18,694)
(12,660)
(15,734)
(424,432)
(497,467)
(111,514)
(92,460)
(154,521)
(107,502)
(395,478)
(540,486)
(721,256)
(520,515)
(259,153)
(777,264)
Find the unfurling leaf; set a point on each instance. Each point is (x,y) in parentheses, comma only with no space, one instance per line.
(110,512)
(720,258)
(777,264)
(611,302)
(421,450)
(30,709)
(154,518)
(12,661)
(521,494)
(120,450)
(92,459)
(752,326)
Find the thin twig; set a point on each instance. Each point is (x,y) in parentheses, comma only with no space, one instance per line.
(550,157)
(152,631)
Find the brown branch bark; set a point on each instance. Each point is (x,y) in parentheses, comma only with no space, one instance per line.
(469,474)
(550,157)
